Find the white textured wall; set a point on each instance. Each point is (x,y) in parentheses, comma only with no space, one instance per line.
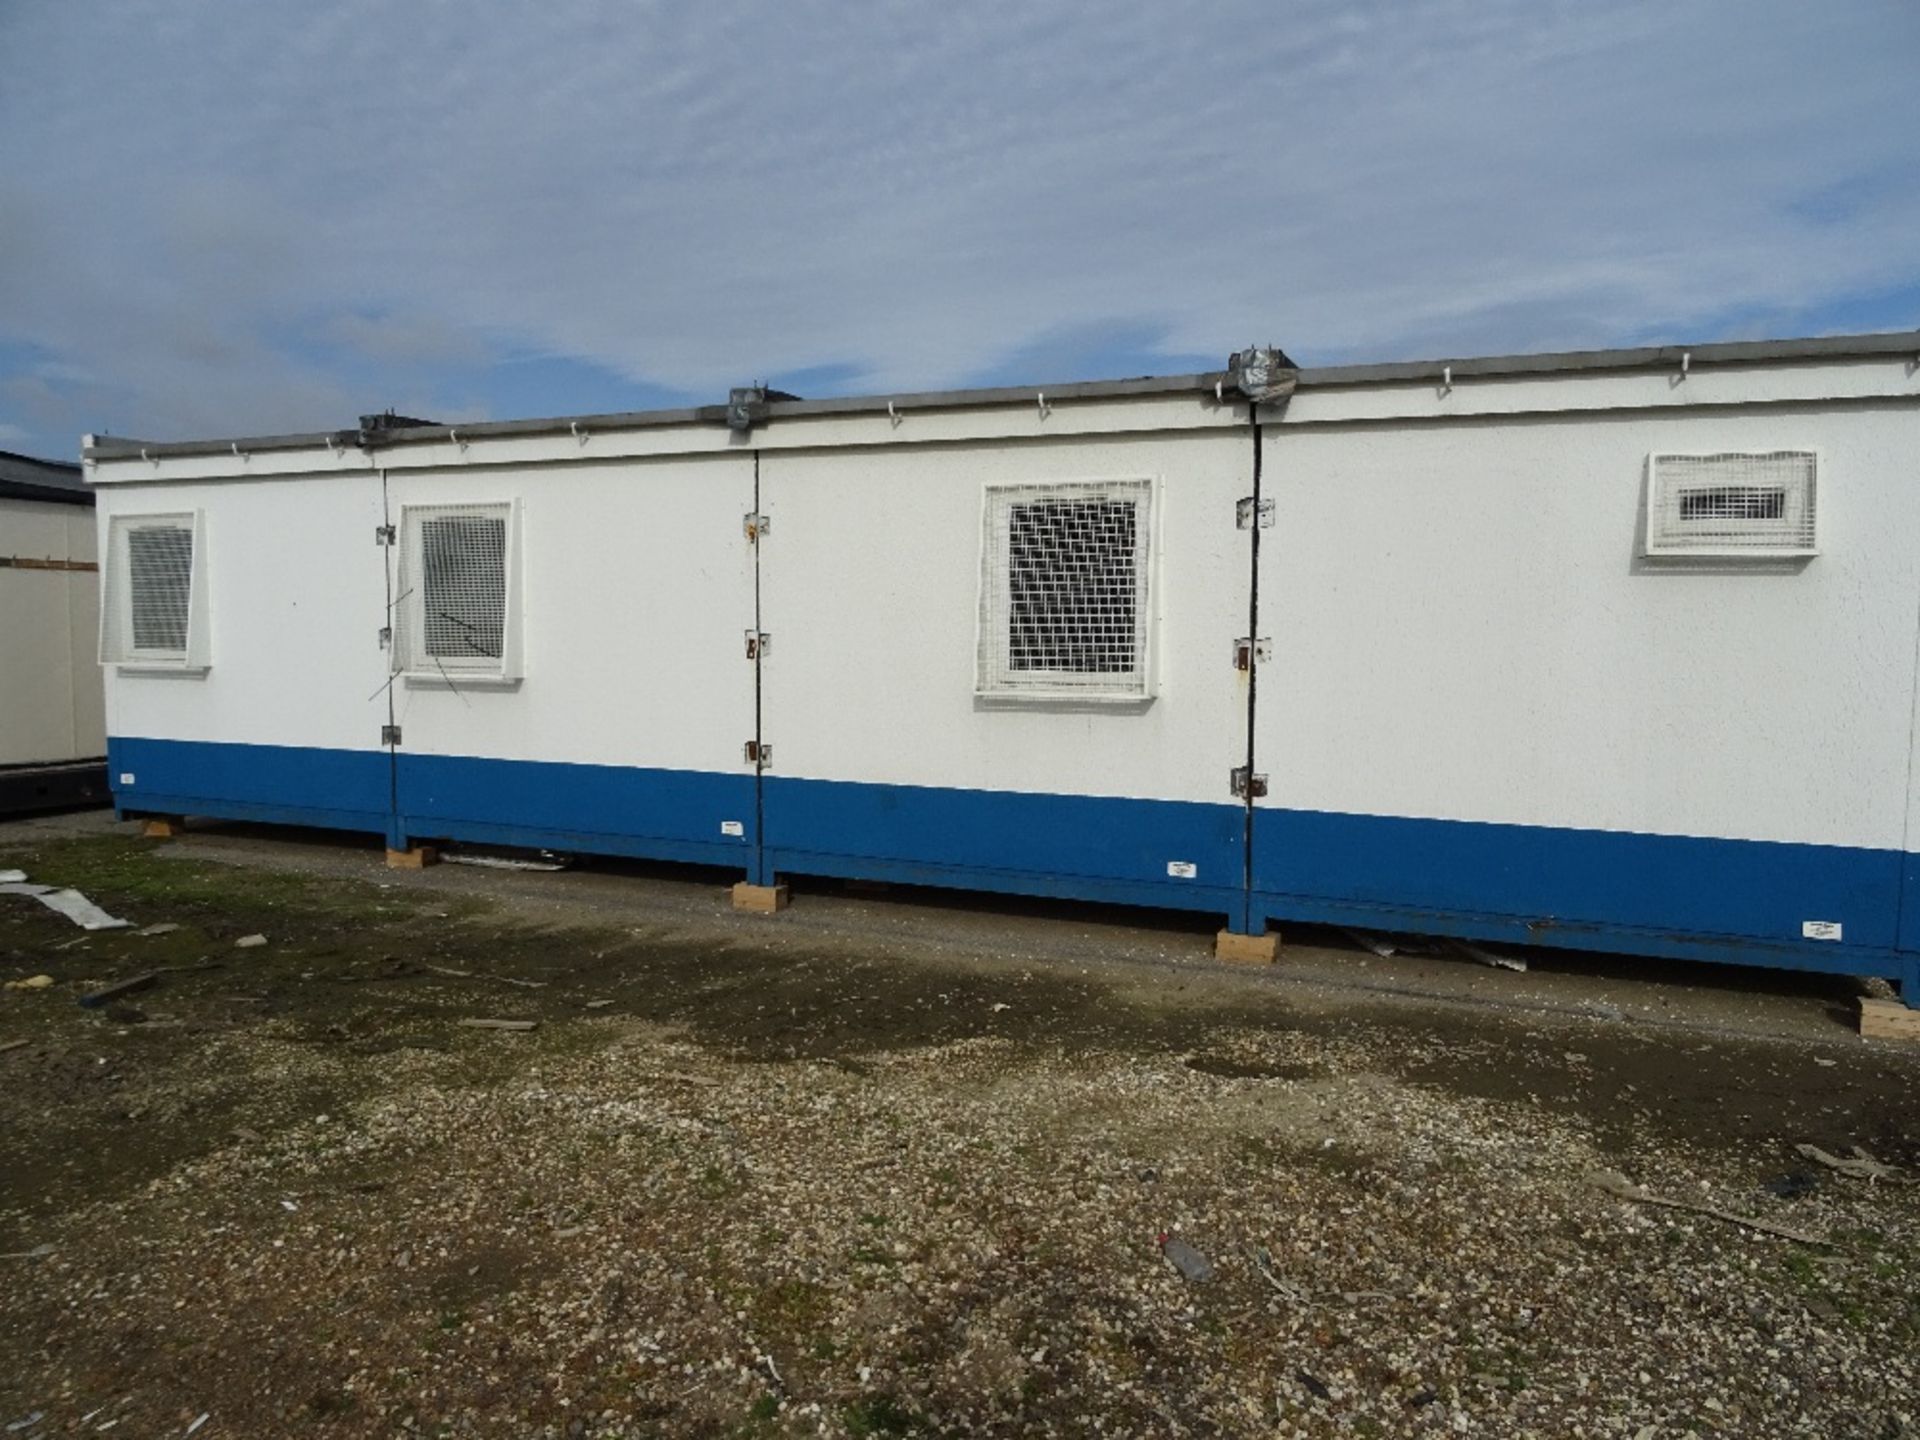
(1464,630)
(296,597)
(870,580)
(637,588)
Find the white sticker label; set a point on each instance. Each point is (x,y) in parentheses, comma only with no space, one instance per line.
(1182,869)
(1820,929)
(126,777)
(732,827)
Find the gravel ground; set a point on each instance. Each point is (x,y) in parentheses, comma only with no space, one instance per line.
(743,1182)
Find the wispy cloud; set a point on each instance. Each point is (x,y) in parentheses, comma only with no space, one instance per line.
(255,214)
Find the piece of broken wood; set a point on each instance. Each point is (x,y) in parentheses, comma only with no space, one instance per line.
(94,999)
(14,1045)
(484,975)
(1616,1184)
(499,1024)
(1860,1165)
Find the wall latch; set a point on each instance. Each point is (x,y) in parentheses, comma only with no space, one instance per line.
(758,642)
(756,525)
(1246,651)
(1248,508)
(389,734)
(1247,785)
(383,534)
(759,755)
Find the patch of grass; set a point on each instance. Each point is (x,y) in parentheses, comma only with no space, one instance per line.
(879,1415)
(796,1309)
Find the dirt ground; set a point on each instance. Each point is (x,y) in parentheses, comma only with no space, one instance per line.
(895,1164)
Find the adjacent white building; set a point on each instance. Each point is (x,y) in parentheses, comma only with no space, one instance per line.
(1611,650)
(52,719)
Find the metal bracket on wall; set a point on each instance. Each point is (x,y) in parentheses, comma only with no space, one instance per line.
(1246,651)
(759,755)
(757,643)
(383,534)
(1244,512)
(1246,785)
(756,525)
(386,636)
(389,734)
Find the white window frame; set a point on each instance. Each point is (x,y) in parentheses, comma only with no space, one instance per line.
(116,612)
(1795,535)
(995,681)
(416,668)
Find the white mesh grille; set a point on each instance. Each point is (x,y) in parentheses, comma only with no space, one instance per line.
(1063,590)
(455,587)
(149,602)
(1732,504)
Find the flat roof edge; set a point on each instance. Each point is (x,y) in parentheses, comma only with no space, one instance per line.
(1743,352)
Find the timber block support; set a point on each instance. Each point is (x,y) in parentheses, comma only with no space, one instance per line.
(760,899)
(414,857)
(163,827)
(1262,949)
(1889,1020)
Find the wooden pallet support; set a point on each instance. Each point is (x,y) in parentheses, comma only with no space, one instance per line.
(414,857)
(1247,949)
(163,827)
(1889,1020)
(760,899)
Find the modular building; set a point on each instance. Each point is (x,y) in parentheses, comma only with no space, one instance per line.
(1612,650)
(52,719)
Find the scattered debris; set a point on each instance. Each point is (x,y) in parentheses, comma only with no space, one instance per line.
(200,1420)
(1490,957)
(1315,1386)
(12,877)
(249,942)
(503,862)
(21,1424)
(1861,1165)
(598,1004)
(14,1045)
(1183,1257)
(1616,1184)
(94,999)
(70,903)
(499,1024)
(32,982)
(165,927)
(39,1252)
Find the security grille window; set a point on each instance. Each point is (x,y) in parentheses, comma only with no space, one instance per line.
(1064,591)
(455,584)
(149,614)
(1733,505)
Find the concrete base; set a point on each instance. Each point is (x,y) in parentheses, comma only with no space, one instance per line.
(760,899)
(414,857)
(162,827)
(1247,949)
(1889,1020)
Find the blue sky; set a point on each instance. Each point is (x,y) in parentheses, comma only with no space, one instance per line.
(244,216)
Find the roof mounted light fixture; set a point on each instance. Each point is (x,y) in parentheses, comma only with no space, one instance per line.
(1262,373)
